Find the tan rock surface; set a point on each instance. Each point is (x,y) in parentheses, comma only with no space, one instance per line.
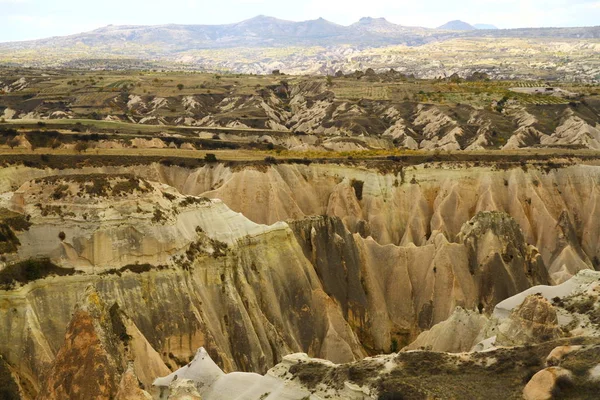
(541,385)
(414,252)
(129,388)
(533,321)
(393,209)
(86,366)
(457,334)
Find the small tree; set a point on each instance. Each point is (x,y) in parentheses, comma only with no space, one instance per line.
(210,158)
(394,346)
(180,86)
(55,143)
(81,147)
(13,142)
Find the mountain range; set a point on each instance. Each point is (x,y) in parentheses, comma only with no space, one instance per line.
(264,31)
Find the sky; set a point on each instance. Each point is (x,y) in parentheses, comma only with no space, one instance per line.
(34,19)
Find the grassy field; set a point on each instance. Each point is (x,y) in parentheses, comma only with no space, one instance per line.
(230,155)
(123,127)
(478,94)
(93,91)
(98,86)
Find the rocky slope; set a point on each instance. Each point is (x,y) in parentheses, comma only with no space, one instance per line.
(109,348)
(397,204)
(117,262)
(308,114)
(535,366)
(537,315)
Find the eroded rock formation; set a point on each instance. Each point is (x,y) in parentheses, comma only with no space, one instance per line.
(388,260)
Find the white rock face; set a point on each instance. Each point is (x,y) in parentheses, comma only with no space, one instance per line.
(201,370)
(102,232)
(184,389)
(579,283)
(212,384)
(512,322)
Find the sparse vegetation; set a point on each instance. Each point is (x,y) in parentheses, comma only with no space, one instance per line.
(210,158)
(10,224)
(310,374)
(30,270)
(394,346)
(81,147)
(158,216)
(9,389)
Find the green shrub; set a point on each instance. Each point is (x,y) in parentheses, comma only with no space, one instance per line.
(210,158)
(394,346)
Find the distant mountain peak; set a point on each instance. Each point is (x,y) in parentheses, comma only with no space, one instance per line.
(457,25)
(371,19)
(376,25)
(323,21)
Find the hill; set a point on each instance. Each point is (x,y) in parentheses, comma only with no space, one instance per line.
(457,25)
(263,44)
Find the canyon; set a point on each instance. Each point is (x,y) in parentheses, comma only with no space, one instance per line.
(280,210)
(145,264)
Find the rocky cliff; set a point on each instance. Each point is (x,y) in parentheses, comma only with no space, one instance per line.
(366,260)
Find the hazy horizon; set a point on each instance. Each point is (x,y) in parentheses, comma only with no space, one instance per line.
(35,19)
